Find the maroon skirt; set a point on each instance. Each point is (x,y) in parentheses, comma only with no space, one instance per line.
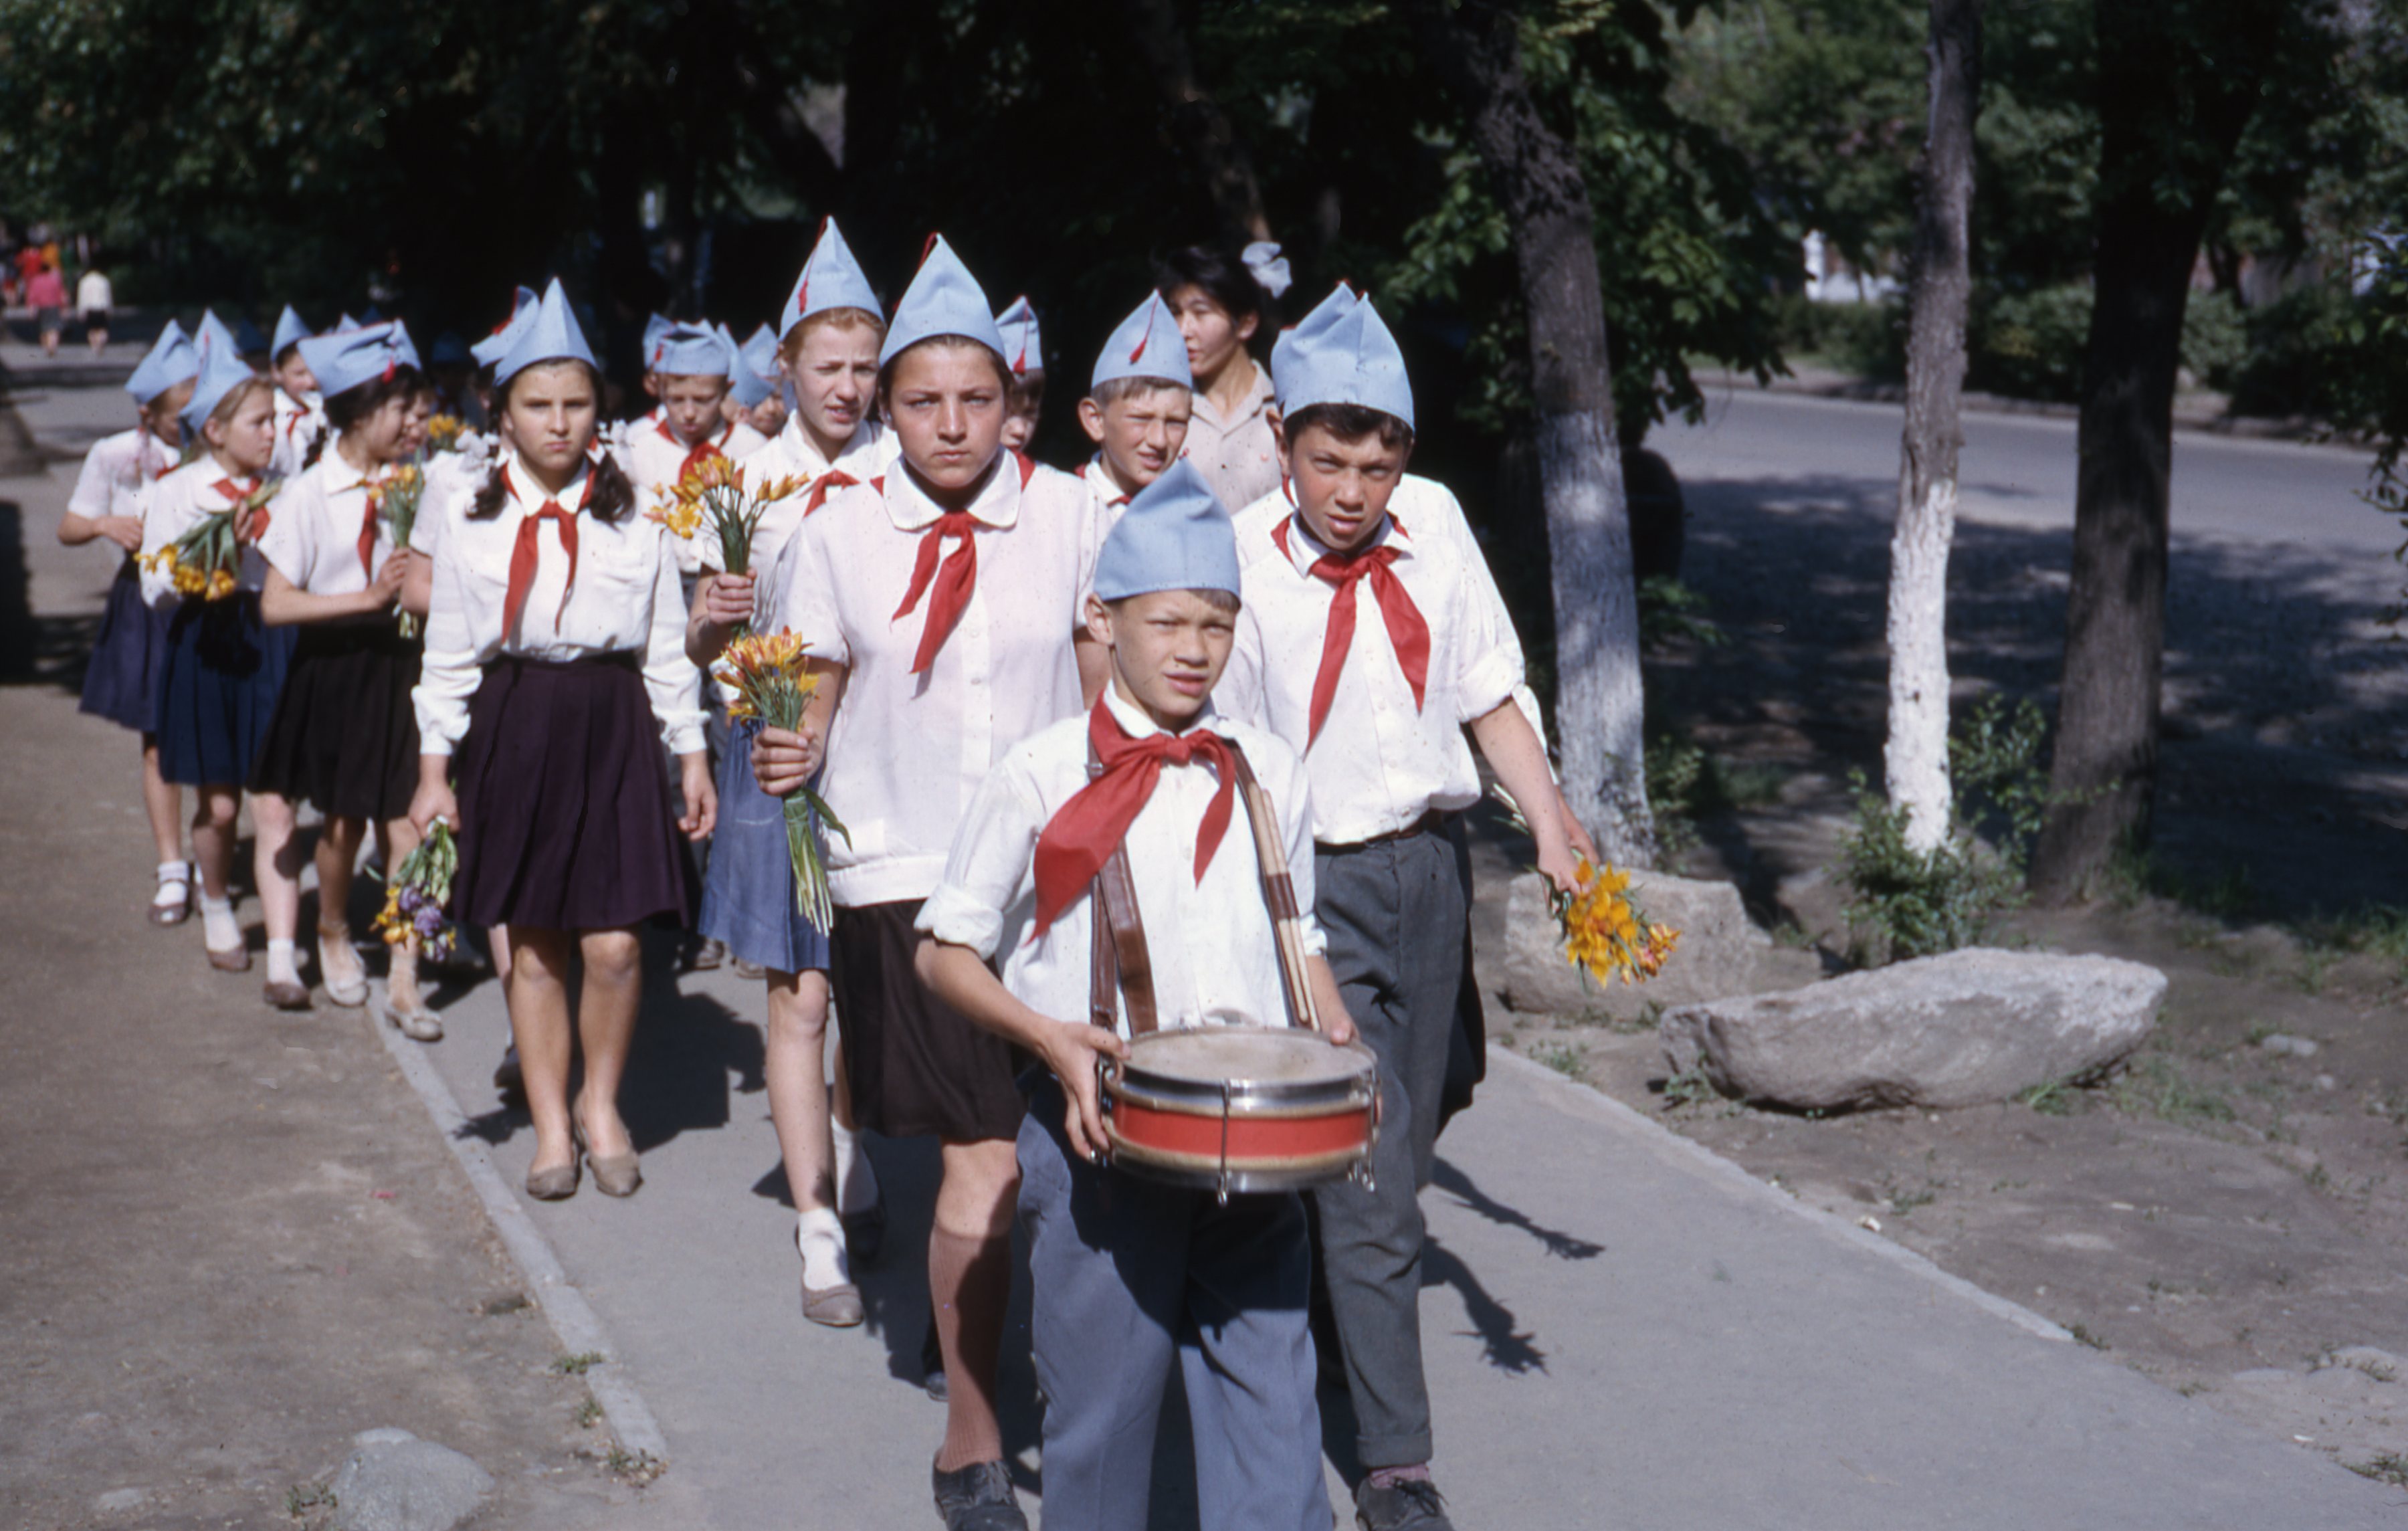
(566,818)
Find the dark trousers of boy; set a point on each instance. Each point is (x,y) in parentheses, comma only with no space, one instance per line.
(1129,1277)
(1394,914)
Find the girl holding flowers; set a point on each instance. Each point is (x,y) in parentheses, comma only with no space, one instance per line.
(938,602)
(344,738)
(223,669)
(555,666)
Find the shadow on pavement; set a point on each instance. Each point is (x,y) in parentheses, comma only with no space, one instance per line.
(36,650)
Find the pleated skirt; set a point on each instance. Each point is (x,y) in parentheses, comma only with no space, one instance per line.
(219,682)
(344,733)
(566,818)
(121,683)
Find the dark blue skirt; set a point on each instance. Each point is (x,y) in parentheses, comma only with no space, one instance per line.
(121,683)
(747,897)
(218,687)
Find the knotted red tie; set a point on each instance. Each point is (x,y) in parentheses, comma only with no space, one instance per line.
(953,581)
(369,526)
(237,489)
(1408,634)
(827,483)
(700,452)
(524,556)
(1075,844)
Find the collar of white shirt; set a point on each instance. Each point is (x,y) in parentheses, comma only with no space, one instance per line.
(997,503)
(527,490)
(1304,549)
(338,477)
(806,451)
(1137,724)
(660,419)
(1105,483)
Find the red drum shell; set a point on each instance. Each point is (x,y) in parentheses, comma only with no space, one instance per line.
(1241,1109)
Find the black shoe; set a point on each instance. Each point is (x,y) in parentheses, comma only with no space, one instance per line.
(865,1233)
(978,1498)
(1415,1505)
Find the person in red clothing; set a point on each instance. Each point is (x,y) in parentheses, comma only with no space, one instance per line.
(46,295)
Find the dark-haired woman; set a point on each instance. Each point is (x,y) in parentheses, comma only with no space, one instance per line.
(1224,302)
(344,738)
(555,659)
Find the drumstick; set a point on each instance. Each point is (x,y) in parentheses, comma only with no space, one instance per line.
(1287,922)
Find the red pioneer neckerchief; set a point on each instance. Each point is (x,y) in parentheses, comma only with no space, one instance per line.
(825,485)
(700,452)
(237,489)
(1080,838)
(954,580)
(1408,632)
(368,525)
(524,555)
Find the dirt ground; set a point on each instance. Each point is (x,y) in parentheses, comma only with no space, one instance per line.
(2228,1219)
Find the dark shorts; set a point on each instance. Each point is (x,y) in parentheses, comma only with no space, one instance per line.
(917,1065)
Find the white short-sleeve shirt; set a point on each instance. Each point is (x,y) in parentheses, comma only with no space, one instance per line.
(182,501)
(313,529)
(118,473)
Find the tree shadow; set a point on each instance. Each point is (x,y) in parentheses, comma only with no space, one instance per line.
(1447,1176)
(1502,1346)
(42,651)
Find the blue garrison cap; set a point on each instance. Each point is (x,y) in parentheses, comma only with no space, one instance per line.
(1024,351)
(686,351)
(172,358)
(1175,534)
(341,362)
(831,279)
(223,371)
(1341,353)
(1147,345)
(523,307)
(551,336)
(290,331)
(754,378)
(943,299)
(347,325)
(212,333)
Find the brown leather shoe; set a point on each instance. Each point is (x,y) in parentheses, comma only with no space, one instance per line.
(835,1307)
(558,1183)
(233,959)
(286,995)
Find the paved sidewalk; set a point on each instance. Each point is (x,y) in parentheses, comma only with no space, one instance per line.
(1623,1331)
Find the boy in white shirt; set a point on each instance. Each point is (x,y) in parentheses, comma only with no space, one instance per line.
(688,369)
(1372,648)
(1129,1276)
(1137,406)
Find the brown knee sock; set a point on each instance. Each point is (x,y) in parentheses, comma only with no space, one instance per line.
(969,1283)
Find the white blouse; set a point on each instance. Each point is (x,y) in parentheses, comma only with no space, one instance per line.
(654,460)
(625,600)
(297,423)
(792,455)
(905,753)
(118,473)
(182,501)
(1215,962)
(313,529)
(461,470)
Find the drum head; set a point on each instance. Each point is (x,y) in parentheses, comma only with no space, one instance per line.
(1264,1056)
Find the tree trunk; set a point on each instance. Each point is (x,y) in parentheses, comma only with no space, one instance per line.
(2177,83)
(1535,174)
(1917,754)
(1201,126)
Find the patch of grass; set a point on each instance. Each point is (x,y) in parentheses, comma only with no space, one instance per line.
(2388,1468)
(2085,1337)
(2058,1097)
(2318,1178)
(2192,1390)
(2155,1087)
(1904,1202)
(576,1365)
(301,1499)
(1685,784)
(1687,1088)
(636,1466)
(500,1307)
(1564,1059)
(586,1413)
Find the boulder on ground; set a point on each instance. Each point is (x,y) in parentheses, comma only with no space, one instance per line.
(394,1482)
(1722,952)
(1957,1029)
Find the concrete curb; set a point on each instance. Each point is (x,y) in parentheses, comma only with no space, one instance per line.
(1684,1153)
(574,1322)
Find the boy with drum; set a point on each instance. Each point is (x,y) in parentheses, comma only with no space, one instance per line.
(1370,647)
(1129,1273)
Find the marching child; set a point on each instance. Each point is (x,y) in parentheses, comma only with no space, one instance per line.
(297,415)
(554,668)
(1222,305)
(344,738)
(1026,351)
(833,333)
(1372,647)
(759,396)
(1130,1277)
(688,369)
(1137,407)
(938,600)
(121,683)
(223,670)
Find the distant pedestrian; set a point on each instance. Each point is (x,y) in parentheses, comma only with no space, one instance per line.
(94,297)
(46,295)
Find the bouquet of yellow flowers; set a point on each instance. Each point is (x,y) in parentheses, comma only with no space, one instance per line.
(419,889)
(765,672)
(1606,934)
(713,493)
(397,500)
(206,561)
(444,432)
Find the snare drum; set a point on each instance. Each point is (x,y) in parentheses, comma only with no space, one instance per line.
(1242,1108)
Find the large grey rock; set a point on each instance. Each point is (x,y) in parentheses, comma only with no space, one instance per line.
(394,1482)
(1953,1030)
(1722,952)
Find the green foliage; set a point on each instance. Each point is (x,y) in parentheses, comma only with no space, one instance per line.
(1670,611)
(2030,345)
(1867,339)
(1906,903)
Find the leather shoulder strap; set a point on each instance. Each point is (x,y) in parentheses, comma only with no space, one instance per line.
(1279,893)
(1120,967)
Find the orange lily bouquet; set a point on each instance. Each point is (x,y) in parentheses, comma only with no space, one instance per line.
(444,432)
(713,493)
(765,672)
(207,560)
(398,499)
(1606,934)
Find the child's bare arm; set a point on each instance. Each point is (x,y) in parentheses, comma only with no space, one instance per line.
(1519,762)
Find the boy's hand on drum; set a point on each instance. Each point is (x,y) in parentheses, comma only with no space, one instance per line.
(1072,1049)
(783,761)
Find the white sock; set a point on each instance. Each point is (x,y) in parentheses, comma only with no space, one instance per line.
(219,930)
(178,873)
(281,967)
(857,1181)
(175,871)
(820,1236)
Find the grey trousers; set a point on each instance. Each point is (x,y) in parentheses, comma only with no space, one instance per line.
(1394,914)
(1125,1277)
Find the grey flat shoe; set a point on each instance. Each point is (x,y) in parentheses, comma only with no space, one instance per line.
(616,1175)
(557,1184)
(414,1020)
(352,994)
(836,1307)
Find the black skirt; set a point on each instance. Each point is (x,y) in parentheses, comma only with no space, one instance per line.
(916,1064)
(344,733)
(121,683)
(566,820)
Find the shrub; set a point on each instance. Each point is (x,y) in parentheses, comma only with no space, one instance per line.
(2030,345)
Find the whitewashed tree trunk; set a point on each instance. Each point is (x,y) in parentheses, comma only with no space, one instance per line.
(1916,759)
(1600,701)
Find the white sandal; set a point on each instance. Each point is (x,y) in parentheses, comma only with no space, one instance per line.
(350,996)
(172,904)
